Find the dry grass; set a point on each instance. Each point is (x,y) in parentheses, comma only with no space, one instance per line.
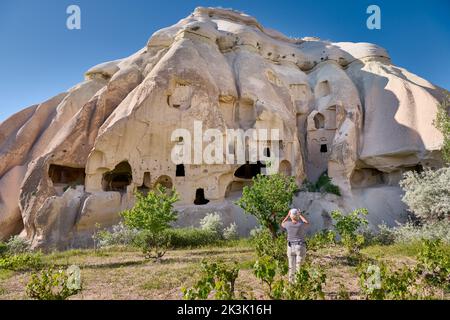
(123,273)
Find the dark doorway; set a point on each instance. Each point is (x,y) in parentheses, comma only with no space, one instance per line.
(249,170)
(180,170)
(119,178)
(323,148)
(200,197)
(66,175)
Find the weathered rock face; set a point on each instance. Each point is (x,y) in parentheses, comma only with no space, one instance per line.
(75,160)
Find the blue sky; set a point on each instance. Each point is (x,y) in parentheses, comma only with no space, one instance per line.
(40,57)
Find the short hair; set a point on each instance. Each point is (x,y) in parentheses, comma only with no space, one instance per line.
(294,213)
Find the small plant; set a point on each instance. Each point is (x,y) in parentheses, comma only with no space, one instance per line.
(191,237)
(152,214)
(348,228)
(120,235)
(231,232)
(265,269)
(217,277)
(53,284)
(442,123)
(343,293)
(268,199)
(154,245)
(379,283)
(212,222)
(266,246)
(17,245)
(434,264)
(322,239)
(308,284)
(21,262)
(323,185)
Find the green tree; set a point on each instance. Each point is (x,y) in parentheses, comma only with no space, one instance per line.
(348,227)
(442,123)
(152,214)
(268,199)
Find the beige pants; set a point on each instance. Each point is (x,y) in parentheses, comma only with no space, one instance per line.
(296,256)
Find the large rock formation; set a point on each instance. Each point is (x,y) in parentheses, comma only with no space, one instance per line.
(73,161)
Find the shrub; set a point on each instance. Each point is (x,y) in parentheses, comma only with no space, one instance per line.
(348,228)
(320,240)
(408,233)
(191,237)
(323,185)
(152,214)
(308,284)
(23,261)
(119,235)
(379,283)
(53,284)
(427,194)
(3,249)
(153,244)
(434,264)
(442,123)
(17,245)
(231,232)
(212,222)
(275,249)
(265,269)
(216,276)
(268,199)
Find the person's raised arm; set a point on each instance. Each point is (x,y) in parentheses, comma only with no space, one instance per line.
(284,220)
(303,219)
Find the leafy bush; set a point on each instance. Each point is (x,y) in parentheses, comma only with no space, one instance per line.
(53,284)
(212,222)
(266,269)
(152,214)
(231,232)
(3,249)
(17,245)
(191,237)
(119,235)
(23,261)
(266,246)
(434,264)
(216,276)
(153,244)
(442,123)
(349,228)
(408,233)
(323,185)
(322,239)
(379,283)
(268,199)
(308,284)
(427,194)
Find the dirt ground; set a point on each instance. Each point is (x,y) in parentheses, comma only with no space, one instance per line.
(123,273)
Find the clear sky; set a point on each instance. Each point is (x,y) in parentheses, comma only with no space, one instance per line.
(40,57)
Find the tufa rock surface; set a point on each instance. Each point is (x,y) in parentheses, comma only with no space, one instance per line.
(74,161)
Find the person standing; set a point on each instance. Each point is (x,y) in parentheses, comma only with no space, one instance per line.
(295,224)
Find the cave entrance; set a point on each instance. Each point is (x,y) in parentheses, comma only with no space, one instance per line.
(319,121)
(63,175)
(249,170)
(145,188)
(119,178)
(200,197)
(180,170)
(323,148)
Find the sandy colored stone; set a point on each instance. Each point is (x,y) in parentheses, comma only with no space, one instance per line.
(75,160)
